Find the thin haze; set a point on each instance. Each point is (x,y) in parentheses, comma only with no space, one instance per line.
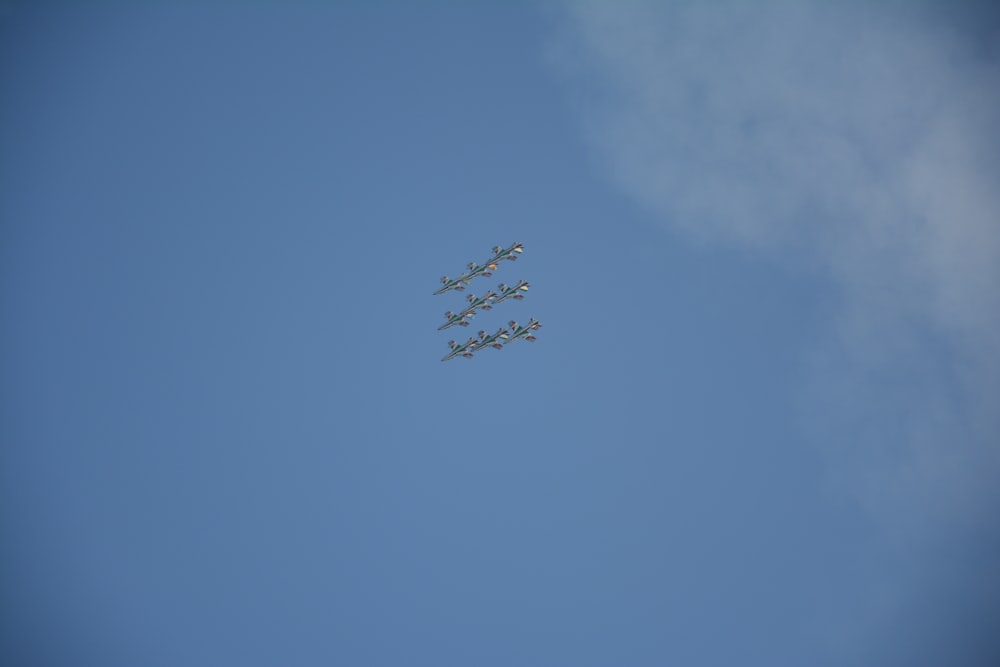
(860,141)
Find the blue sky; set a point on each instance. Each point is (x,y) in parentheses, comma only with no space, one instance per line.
(759,425)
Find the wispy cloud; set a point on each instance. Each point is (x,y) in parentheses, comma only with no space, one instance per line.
(863,138)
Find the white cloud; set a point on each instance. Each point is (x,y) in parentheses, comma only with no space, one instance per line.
(863,138)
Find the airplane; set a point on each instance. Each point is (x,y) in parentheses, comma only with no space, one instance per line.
(483,302)
(470,310)
(465,350)
(476,270)
(454,319)
(492,340)
(510,253)
(517,331)
(508,292)
(458,284)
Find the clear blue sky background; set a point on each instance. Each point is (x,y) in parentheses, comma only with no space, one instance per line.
(759,425)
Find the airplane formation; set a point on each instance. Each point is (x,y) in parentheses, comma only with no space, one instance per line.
(504,335)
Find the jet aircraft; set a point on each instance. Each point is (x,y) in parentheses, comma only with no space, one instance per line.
(476,270)
(457,284)
(510,253)
(482,302)
(517,331)
(469,310)
(465,349)
(492,340)
(453,319)
(508,292)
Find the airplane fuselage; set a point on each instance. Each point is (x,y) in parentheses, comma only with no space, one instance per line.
(457,284)
(482,302)
(516,292)
(491,340)
(524,331)
(476,271)
(465,350)
(452,321)
(510,253)
(470,310)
